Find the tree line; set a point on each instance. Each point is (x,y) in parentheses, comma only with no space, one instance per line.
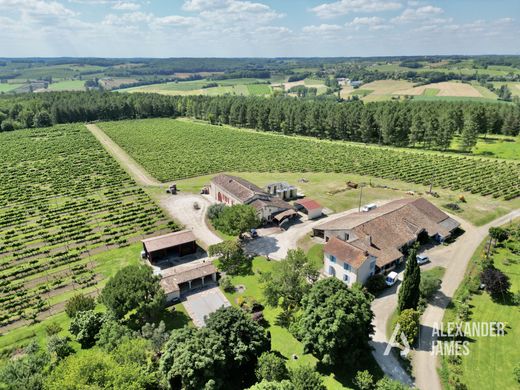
(429,125)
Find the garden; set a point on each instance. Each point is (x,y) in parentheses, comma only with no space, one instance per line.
(176,149)
(63,199)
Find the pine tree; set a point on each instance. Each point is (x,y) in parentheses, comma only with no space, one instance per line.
(469,133)
(409,292)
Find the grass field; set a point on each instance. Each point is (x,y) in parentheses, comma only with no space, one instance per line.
(63,199)
(284,342)
(490,362)
(68,85)
(7,87)
(198,148)
(495,146)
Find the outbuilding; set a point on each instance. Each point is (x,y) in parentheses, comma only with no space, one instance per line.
(178,281)
(310,207)
(173,244)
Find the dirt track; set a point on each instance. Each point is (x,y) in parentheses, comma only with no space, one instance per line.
(133,168)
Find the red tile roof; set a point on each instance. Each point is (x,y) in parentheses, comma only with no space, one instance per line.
(309,204)
(346,252)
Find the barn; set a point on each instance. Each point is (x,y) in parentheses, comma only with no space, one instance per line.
(178,281)
(310,207)
(173,244)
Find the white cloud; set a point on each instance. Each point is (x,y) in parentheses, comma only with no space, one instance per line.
(126,6)
(174,21)
(343,7)
(130,18)
(371,22)
(322,28)
(421,13)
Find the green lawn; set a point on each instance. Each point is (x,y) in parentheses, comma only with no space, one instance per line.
(283,341)
(495,145)
(6,87)
(431,92)
(330,190)
(68,85)
(362,92)
(490,362)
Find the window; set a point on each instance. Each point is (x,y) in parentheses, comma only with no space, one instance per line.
(345,278)
(332,259)
(346,267)
(332,271)
(372,268)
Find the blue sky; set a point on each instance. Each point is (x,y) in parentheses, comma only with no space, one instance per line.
(257,28)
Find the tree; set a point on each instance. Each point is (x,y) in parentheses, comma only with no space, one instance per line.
(111,334)
(469,133)
(389,384)
(271,367)
(289,280)
(429,285)
(498,234)
(95,369)
(504,93)
(232,258)
(496,283)
(79,302)
(410,292)
(134,287)
(266,385)
(408,321)
(244,339)
(192,357)
(26,372)
(364,380)
(53,328)
(237,219)
(59,347)
(335,320)
(85,326)
(42,119)
(156,334)
(306,378)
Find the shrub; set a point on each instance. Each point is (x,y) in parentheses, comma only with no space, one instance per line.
(59,347)
(496,282)
(376,283)
(215,210)
(364,380)
(79,302)
(408,322)
(271,367)
(429,285)
(516,372)
(227,285)
(85,326)
(53,328)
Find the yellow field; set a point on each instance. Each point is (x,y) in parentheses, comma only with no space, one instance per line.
(447,88)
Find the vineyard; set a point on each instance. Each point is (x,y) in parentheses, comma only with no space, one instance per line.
(173,149)
(62,199)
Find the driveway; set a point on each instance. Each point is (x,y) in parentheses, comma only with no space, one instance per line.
(201,304)
(456,258)
(180,207)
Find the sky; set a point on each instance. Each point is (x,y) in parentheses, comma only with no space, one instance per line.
(257,28)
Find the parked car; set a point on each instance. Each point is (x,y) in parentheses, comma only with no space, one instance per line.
(422,259)
(368,207)
(391,278)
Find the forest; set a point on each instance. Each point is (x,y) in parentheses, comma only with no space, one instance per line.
(425,124)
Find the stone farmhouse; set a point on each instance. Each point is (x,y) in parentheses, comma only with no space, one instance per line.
(362,244)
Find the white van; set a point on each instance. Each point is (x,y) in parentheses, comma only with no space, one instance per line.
(368,207)
(391,278)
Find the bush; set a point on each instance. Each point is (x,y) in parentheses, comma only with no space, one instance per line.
(215,210)
(364,380)
(376,284)
(226,284)
(516,372)
(79,303)
(271,367)
(59,347)
(429,285)
(496,282)
(85,326)
(53,328)
(408,322)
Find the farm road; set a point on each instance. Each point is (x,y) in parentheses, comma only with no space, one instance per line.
(134,169)
(179,207)
(425,364)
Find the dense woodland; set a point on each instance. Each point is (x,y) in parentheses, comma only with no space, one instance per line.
(429,125)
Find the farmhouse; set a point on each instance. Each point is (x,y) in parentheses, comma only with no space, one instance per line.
(310,207)
(383,233)
(174,244)
(182,279)
(235,190)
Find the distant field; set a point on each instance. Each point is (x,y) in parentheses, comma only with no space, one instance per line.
(196,149)
(513,87)
(69,85)
(448,88)
(4,87)
(495,146)
(463,68)
(63,199)
(244,86)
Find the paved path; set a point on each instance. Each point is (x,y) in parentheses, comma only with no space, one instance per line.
(203,303)
(138,173)
(460,252)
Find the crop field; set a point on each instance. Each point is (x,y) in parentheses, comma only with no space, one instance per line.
(381,89)
(447,88)
(68,85)
(5,87)
(62,199)
(174,149)
(258,89)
